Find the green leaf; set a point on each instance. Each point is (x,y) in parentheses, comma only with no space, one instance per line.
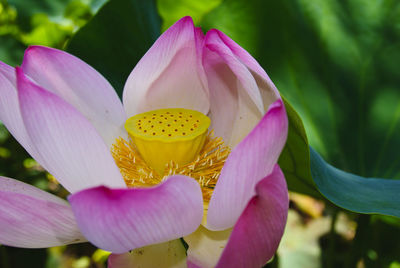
(355,193)
(294,160)
(117,37)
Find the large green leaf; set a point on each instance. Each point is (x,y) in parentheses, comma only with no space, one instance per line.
(355,193)
(117,37)
(294,160)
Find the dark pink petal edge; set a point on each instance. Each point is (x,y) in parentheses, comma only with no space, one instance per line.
(256,235)
(119,220)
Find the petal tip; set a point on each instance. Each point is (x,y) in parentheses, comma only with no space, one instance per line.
(32,50)
(184,22)
(186,19)
(210,34)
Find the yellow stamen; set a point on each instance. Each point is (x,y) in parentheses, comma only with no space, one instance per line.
(205,168)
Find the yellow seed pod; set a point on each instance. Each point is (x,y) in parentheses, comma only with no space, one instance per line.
(165,135)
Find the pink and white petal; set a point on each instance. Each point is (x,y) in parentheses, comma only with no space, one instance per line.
(259,229)
(168,75)
(10,114)
(252,160)
(32,218)
(66,141)
(214,43)
(119,220)
(236,103)
(247,118)
(268,90)
(171,254)
(233,114)
(80,85)
(224,104)
(206,247)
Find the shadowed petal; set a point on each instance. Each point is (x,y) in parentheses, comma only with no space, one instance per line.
(257,234)
(224,99)
(252,160)
(206,247)
(78,84)
(123,219)
(168,75)
(244,76)
(32,218)
(236,103)
(268,90)
(69,145)
(171,254)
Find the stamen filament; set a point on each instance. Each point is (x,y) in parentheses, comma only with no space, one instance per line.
(205,168)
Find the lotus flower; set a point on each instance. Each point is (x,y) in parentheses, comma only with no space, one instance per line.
(224,194)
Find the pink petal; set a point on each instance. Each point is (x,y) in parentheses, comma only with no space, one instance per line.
(267,88)
(125,219)
(10,114)
(238,95)
(252,160)
(171,254)
(168,75)
(257,234)
(32,218)
(78,84)
(235,101)
(206,247)
(69,145)
(214,43)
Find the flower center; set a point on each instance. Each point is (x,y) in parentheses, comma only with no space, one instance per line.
(170,141)
(167,135)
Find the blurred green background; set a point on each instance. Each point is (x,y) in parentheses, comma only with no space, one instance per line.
(335,61)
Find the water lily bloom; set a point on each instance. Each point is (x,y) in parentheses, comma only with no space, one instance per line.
(192,153)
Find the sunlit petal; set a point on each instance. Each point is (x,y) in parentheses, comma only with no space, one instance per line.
(69,145)
(78,84)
